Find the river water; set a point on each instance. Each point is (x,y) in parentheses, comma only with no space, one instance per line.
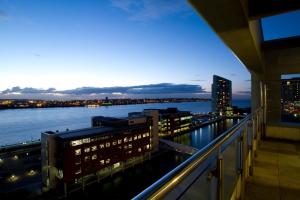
(20,125)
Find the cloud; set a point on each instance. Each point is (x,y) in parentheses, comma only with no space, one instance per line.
(139,91)
(198,80)
(244,92)
(3,15)
(233,74)
(151,9)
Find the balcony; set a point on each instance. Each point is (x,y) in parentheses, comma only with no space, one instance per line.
(259,157)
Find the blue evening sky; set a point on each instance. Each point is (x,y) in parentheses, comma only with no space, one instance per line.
(66,44)
(281,26)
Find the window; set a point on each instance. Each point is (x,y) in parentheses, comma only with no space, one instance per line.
(119,141)
(94,157)
(87,158)
(147,146)
(129,146)
(101,146)
(76,142)
(77,161)
(107,144)
(139,136)
(139,149)
(135,137)
(94,148)
(114,142)
(86,140)
(102,162)
(78,171)
(290,98)
(130,139)
(116,165)
(125,139)
(144,134)
(78,152)
(86,150)
(107,161)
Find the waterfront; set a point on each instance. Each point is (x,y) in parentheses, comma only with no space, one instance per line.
(20,125)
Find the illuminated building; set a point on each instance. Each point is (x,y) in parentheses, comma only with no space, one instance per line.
(172,121)
(221,95)
(70,158)
(290,89)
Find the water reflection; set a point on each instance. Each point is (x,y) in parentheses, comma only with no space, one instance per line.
(201,137)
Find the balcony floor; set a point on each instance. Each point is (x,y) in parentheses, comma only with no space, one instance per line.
(276,174)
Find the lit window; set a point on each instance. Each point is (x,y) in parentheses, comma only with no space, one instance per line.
(130,152)
(102,162)
(107,161)
(114,142)
(107,144)
(77,161)
(129,146)
(87,158)
(101,146)
(94,148)
(135,137)
(76,142)
(125,139)
(78,171)
(130,139)
(147,134)
(94,157)
(78,152)
(125,146)
(119,141)
(86,150)
(116,165)
(139,136)
(148,146)
(86,140)
(139,149)
(144,135)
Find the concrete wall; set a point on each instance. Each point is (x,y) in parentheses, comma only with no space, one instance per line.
(278,62)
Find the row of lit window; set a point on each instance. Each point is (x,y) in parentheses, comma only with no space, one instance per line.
(103,161)
(87,150)
(125,139)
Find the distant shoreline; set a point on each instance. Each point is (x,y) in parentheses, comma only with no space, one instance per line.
(6,104)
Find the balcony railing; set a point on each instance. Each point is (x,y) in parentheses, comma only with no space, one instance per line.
(218,171)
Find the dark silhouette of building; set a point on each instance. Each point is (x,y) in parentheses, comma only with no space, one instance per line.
(221,95)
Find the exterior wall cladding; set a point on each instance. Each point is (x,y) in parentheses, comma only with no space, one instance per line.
(221,92)
(75,154)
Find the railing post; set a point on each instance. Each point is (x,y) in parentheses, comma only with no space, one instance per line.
(220,169)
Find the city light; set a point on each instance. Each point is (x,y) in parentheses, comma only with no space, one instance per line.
(15,157)
(32,173)
(13,178)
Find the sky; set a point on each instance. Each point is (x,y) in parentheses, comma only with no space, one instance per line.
(116,48)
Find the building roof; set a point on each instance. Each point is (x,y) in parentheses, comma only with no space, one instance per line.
(90,132)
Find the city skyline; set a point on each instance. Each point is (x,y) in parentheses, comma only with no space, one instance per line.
(111,44)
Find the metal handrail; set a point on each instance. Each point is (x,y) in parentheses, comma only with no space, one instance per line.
(168,182)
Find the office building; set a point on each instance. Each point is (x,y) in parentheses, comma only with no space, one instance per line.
(221,93)
(69,158)
(172,121)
